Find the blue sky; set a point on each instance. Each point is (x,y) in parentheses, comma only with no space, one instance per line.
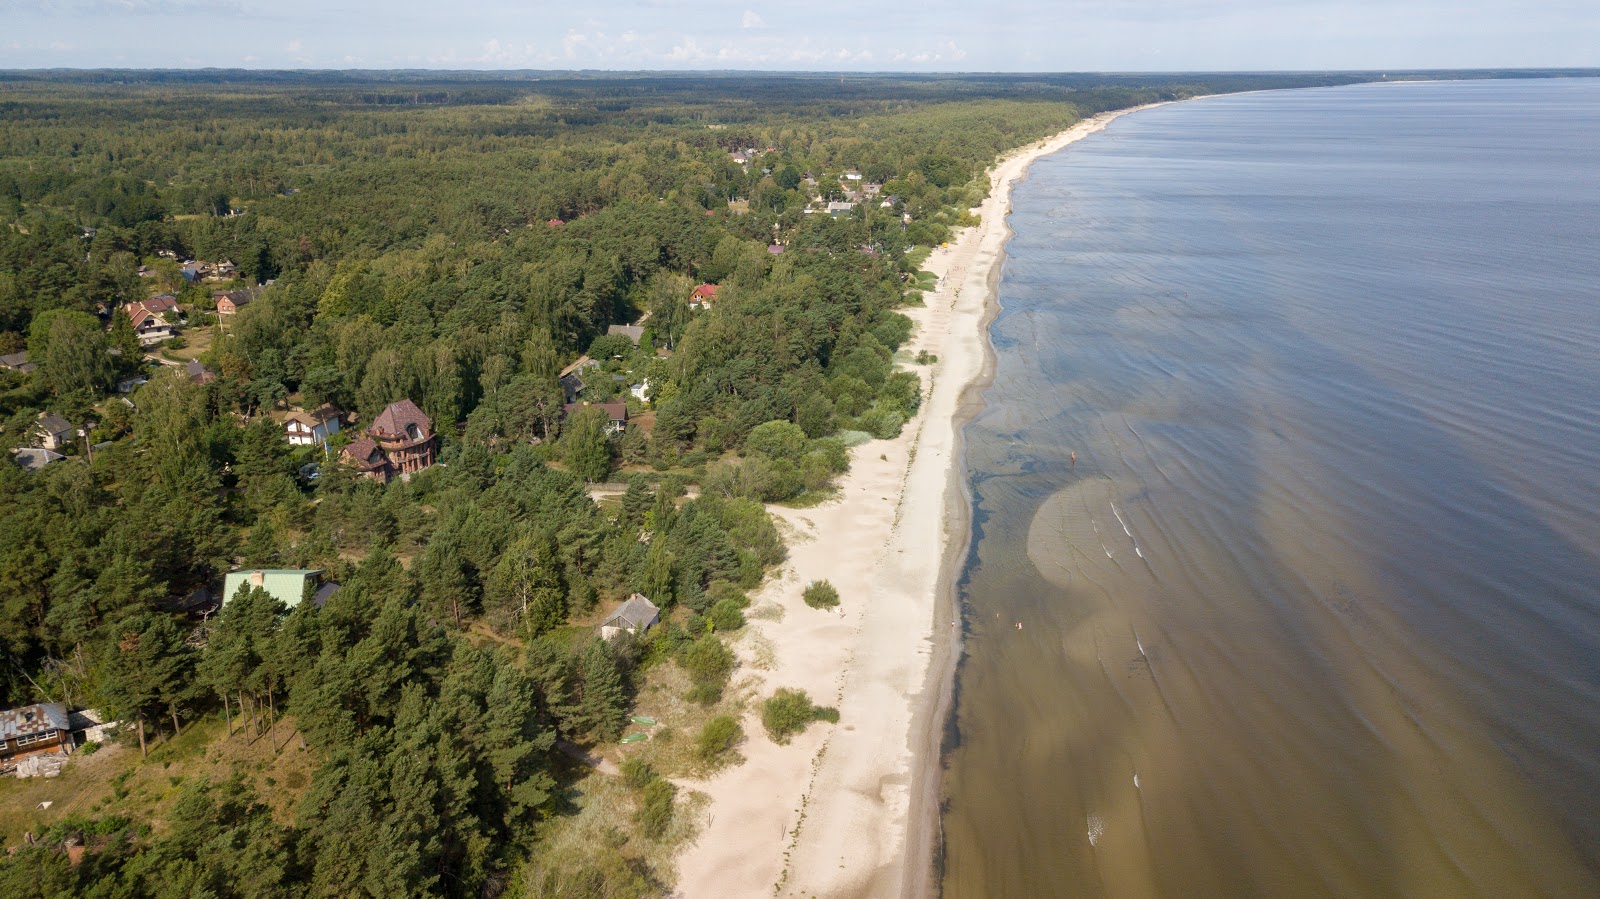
(830,35)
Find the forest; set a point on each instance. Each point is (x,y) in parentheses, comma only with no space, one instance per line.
(478,245)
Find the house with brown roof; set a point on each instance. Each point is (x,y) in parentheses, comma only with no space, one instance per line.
(617,412)
(32,730)
(405,434)
(304,428)
(367,460)
(703,295)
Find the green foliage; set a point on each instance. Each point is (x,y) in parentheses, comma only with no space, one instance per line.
(788,712)
(821,595)
(709,664)
(584,444)
(655,808)
(717,738)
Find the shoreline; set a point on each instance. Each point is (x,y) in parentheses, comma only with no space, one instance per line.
(852,809)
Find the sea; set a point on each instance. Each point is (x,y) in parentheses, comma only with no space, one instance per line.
(1286,570)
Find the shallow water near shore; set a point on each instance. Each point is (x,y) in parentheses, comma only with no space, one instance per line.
(1316,610)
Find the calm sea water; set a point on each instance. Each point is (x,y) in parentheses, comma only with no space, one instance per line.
(1317,609)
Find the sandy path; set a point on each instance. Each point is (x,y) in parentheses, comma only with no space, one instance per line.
(828,814)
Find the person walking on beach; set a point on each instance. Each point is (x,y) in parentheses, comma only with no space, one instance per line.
(1074,458)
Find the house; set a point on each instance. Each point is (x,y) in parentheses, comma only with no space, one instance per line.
(405,434)
(571,377)
(17,362)
(304,428)
(324,593)
(636,616)
(640,390)
(702,296)
(229,302)
(555,223)
(776,249)
(617,413)
(287,585)
(150,317)
(32,730)
(634,333)
(32,458)
(193,271)
(163,304)
(52,431)
(130,384)
(199,373)
(838,207)
(368,461)
(852,175)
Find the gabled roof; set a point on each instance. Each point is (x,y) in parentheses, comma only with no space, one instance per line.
(632,332)
(52,423)
(362,452)
(286,584)
(394,419)
(582,363)
(199,373)
(14,360)
(617,411)
(320,415)
(705,292)
(33,458)
(638,612)
(33,719)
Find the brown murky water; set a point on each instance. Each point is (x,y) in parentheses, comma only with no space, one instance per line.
(1317,609)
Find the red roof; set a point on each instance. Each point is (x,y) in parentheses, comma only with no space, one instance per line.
(393,421)
(705,292)
(364,453)
(555,223)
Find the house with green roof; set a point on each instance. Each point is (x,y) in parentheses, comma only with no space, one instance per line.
(288,585)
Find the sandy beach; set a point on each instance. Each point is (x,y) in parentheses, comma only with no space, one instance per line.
(851,809)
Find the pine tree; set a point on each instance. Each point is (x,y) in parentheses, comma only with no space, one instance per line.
(602,709)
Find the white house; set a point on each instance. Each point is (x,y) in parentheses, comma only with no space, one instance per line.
(307,428)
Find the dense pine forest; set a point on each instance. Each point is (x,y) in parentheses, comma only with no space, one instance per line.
(629,311)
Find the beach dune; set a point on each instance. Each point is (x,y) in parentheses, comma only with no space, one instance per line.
(850,809)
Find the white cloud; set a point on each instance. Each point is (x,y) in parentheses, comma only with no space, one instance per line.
(751,20)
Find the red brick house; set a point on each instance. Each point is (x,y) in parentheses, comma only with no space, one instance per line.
(229,302)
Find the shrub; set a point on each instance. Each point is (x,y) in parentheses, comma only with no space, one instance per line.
(821,595)
(789,711)
(726,615)
(655,809)
(717,738)
(709,664)
(89,749)
(638,774)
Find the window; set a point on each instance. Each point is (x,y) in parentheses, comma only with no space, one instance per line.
(30,739)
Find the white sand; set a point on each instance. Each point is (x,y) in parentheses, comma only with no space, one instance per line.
(848,809)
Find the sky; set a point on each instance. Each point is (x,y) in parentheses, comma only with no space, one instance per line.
(810,35)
